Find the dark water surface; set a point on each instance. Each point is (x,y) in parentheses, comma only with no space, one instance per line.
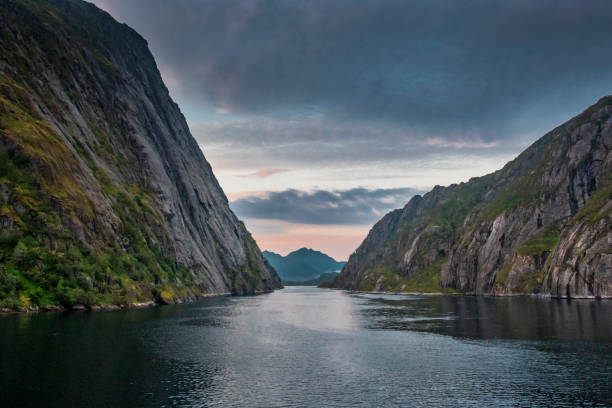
(307,347)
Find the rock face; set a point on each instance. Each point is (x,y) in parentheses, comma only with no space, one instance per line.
(542,224)
(106,196)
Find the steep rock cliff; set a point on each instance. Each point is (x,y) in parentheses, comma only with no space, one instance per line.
(106,197)
(542,224)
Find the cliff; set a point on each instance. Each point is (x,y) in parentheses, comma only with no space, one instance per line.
(542,224)
(105,196)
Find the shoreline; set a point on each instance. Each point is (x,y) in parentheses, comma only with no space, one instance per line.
(110,308)
(489,295)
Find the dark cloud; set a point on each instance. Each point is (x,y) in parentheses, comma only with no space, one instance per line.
(487,69)
(358,206)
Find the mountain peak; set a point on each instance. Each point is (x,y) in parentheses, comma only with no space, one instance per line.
(303,264)
(305,250)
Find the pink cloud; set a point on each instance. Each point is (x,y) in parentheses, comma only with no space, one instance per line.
(263,173)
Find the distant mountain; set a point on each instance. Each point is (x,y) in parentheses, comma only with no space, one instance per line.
(302,265)
(324,280)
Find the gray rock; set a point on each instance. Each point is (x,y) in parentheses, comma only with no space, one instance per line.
(542,224)
(119,149)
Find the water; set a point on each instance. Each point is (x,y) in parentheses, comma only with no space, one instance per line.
(307,347)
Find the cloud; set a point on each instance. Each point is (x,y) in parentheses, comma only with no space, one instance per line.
(320,141)
(375,83)
(263,173)
(357,206)
(493,68)
(375,93)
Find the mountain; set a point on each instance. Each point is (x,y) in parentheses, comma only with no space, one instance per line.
(105,196)
(322,280)
(542,224)
(302,265)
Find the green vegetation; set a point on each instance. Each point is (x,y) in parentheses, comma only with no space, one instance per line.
(438,223)
(38,142)
(501,278)
(427,281)
(543,241)
(598,206)
(529,282)
(33,274)
(42,263)
(81,223)
(519,193)
(324,280)
(454,205)
(461,200)
(250,271)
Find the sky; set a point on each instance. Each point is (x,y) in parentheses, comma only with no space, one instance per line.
(319,116)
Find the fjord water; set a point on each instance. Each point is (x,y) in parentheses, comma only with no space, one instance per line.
(310,347)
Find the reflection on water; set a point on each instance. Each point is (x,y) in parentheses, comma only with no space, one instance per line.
(480,317)
(309,347)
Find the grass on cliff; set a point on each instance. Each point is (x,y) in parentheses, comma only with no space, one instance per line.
(427,281)
(44,258)
(543,241)
(453,205)
(522,192)
(32,273)
(502,277)
(250,273)
(22,126)
(598,206)
(42,263)
(461,200)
